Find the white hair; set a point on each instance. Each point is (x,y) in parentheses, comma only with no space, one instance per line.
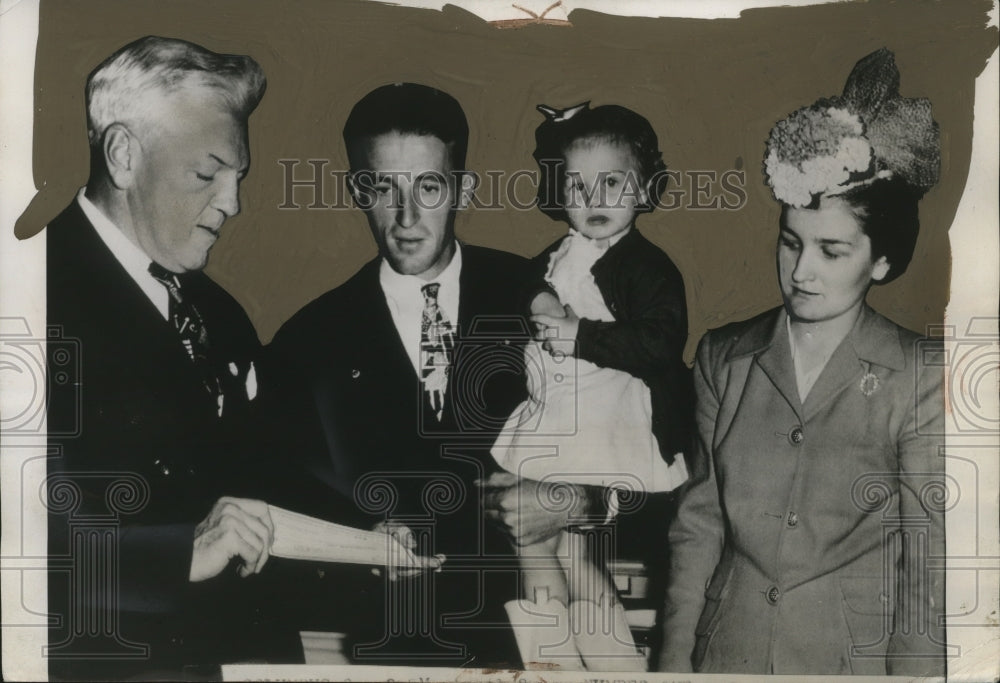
(127,85)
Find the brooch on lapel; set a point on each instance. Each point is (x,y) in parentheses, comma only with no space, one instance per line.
(869,384)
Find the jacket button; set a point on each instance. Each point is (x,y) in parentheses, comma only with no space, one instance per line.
(162,466)
(796,436)
(793,519)
(773,595)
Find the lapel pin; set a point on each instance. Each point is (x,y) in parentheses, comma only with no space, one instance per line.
(869,384)
(251,383)
(355,373)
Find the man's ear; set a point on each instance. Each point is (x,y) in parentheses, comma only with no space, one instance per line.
(880,269)
(352,187)
(466,182)
(121,153)
(361,185)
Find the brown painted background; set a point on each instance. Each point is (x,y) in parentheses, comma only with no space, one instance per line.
(711,89)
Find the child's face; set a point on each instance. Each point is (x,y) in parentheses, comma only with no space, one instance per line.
(603,187)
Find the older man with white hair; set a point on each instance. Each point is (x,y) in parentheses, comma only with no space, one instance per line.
(155,488)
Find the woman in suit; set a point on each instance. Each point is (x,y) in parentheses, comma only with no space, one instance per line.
(803,543)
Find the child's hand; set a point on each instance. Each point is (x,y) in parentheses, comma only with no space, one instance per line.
(558,332)
(547,303)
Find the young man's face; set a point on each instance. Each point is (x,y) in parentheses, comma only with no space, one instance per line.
(407,188)
(186,179)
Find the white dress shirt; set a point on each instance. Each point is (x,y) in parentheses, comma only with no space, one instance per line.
(133,259)
(406,302)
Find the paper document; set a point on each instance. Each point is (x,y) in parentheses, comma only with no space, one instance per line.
(300,537)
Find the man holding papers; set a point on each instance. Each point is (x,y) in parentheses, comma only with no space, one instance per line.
(157,483)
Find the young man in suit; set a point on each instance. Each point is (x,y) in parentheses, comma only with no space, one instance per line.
(398,381)
(154,489)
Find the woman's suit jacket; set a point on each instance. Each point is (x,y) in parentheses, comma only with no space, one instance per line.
(787,553)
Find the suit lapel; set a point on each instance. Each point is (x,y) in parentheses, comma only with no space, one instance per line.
(776,362)
(468,294)
(384,347)
(872,340)
(843,369)
(146,340)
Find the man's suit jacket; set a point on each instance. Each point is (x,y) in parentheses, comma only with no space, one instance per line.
(353,405)
(142,455)
(782,558)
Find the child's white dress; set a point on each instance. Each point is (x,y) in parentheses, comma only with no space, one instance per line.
(582,423)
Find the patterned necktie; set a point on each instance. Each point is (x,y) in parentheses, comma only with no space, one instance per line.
(191,329)
(437,343)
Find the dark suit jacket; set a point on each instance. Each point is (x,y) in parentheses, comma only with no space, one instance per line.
(787,554)
(354,406)
(141,456)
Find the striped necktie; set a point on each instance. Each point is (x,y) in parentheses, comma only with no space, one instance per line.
(437,343)
(191,329)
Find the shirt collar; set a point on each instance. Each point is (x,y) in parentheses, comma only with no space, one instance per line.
(874,338)
(397,285)
(606,243)
(133,259)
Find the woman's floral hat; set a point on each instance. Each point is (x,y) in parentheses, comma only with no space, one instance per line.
(868,132)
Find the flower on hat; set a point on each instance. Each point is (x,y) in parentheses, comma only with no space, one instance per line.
(815,151)
(868,132)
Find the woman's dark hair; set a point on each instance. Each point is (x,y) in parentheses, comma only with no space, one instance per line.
(887,212)
(608,122)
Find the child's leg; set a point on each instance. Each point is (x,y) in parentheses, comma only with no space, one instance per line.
(597,615)
(541,621)
(542,575)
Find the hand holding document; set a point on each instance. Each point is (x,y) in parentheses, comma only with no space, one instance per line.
(300,537)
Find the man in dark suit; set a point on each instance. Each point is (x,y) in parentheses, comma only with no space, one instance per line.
(398,381)
(153,488)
